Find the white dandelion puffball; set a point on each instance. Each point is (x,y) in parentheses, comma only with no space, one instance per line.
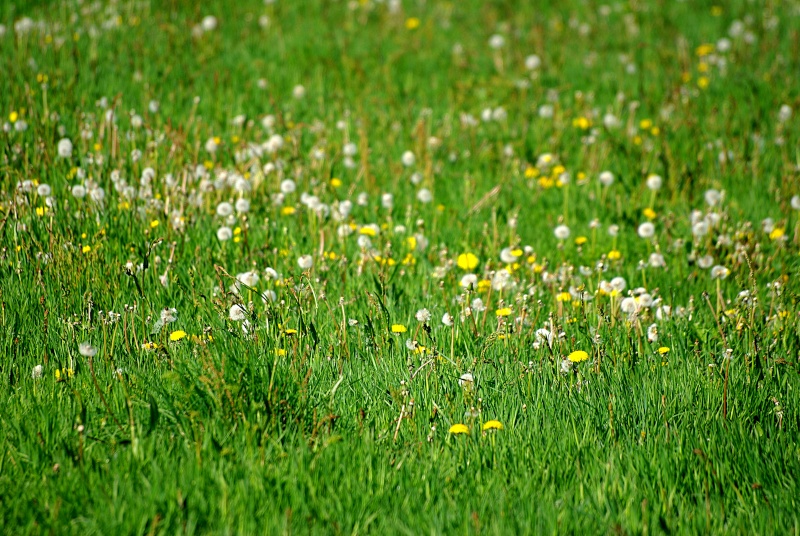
(646,230)
(533,62)
(497,41)
(466,380)
(423,315)
(424,196)
(299,92)
(305,262)
(224,209)
(224,233)
(86,349)
(65,148)
(209,23)
(408,159)
(288,186)
(606,178)
(561,232)
(654,182)
(237,312)
(796,202)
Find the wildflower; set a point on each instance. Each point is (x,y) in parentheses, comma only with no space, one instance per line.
(467,261)
(577,356)
(177,335)
(469,281)
(224,233)
(86,349)
(719,272)
(169,315)
(459,429)
(497,41)
(149,346)
(561,232)
(447,320)
(663,350)
(505,311)
(305,262)
(466,380)
(399,328)
(408,159)
(423,315)
(237,312)
(606,178)
(646,230)
(492,425)
(652,333)
(776,233)
(37,372)
(65,148)
(654,182)
(533,62)
(412,23)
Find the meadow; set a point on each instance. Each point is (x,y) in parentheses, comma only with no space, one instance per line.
(399,267)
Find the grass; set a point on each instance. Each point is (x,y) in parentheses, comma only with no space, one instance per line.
(326,406)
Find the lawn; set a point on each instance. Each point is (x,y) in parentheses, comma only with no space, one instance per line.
(399,267)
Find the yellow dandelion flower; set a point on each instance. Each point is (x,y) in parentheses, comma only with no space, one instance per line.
(86,249)
(492,425)
(154,224)
(776,233)
(614,255)
(702,82)
(459,429)
(367,231)
(563,296)
(280,352)
(399,328)
(288,211)
(577,356)
(505,311)
(412,23)
(663,350)
(177,335)
(467,261)
(336,182)
(704,50)
(290,331)
(649,213)
(581,240)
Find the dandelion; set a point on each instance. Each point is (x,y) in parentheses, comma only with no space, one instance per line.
(305,262)
(86,349)
(577,356)
(497,41)
(652,333)
(423,315)
(705,261)
(177,335)
(492,425)
(719,272)
(237,312)
(298,92)
(533,62)
(37,372)
(399,328)
(654,182)
(457,429)
(408,159)
(663,350)
(64,148)
(561,232)
(503,312)
(224,233)
(466,380)
(606,178)
(469,281)
(467,261)
(447,320)
(646,230)
(795,202)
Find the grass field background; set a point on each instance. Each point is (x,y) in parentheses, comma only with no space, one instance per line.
(399,267)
